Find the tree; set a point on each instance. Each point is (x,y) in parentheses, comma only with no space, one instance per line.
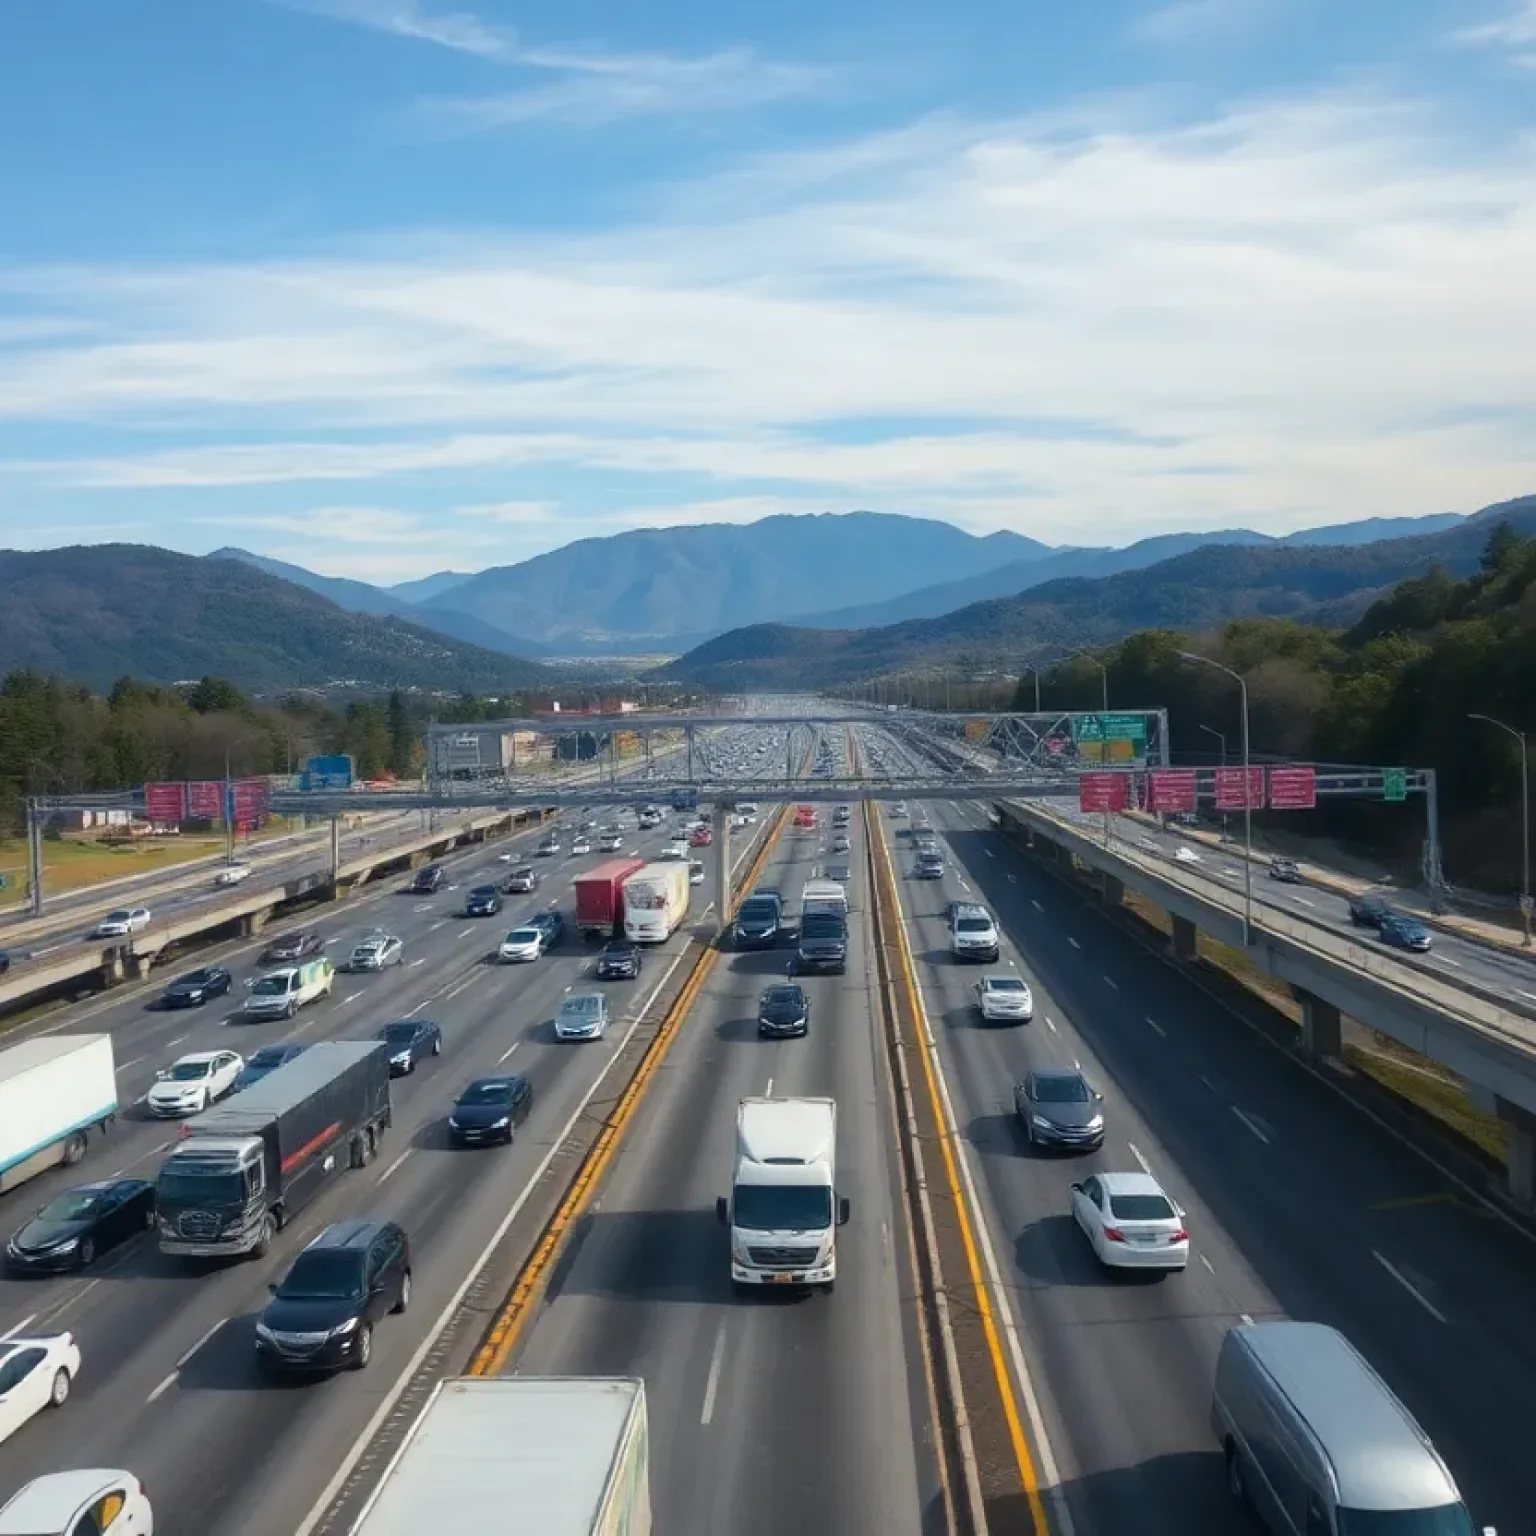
(402,737)
(1502,550)
(216,695)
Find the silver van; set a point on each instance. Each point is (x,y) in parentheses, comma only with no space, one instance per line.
(1317,1445)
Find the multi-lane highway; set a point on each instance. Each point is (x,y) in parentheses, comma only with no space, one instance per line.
(167,1387)
(769,1414)
(1298,1206)
(1453,959)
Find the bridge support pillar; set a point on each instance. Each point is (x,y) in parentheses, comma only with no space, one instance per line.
(1113,890)
(138,966)
(112,967)
(1185,935)
(1321,1033)
(722,866)
(1520,1169)
(253,923)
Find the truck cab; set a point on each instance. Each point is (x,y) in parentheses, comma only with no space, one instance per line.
(784,1210)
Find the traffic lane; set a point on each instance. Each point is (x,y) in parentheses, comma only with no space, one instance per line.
(1126,1363)
(1334,1218)
(170,1336)
(784,1412)
(447,956)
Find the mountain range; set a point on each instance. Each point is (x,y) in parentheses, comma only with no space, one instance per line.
(93,613)
(1319,580)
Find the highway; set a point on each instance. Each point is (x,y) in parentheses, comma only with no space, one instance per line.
(168,1386)
(1453,958)
(768,1414)
(1298,1205)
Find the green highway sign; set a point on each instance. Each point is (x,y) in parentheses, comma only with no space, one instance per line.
(1394,783)
(1110,728)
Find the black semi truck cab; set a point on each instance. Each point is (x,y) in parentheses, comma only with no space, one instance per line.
(245,1167)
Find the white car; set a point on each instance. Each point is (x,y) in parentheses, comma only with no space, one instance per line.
(611,842)
(376,952)
(191,1083)
(676,849)
(582,1016)
(232,874)
(35,1373)
(581,845)
(522,944)
(695,872)
(98,1500)
(123,921)
(1186,855)
(1005,1000)
(1130,1222)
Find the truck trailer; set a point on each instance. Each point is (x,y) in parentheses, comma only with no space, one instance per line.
(551,1455)
(246,1167)
(53,1093)
(600,897)
(655,901)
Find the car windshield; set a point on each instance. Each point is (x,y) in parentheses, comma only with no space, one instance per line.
(782,1207)
(483,891)
(972,925)
(324,1275)
(822,925)
(1141,1207)
(1061,1090)
(619,951)
(77,1205)
(120,916)
(268,1056)
(783,997)
(758,911)
(523,936)
(399,1033)
(288,941)
(1442,1520)
(194,979)
(584,1007)
(270,986)
(1010,984)
(189,1071)
(492,1091)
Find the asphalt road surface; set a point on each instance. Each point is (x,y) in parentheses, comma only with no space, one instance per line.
(768,1414)
(167,1386)
(1298,1205)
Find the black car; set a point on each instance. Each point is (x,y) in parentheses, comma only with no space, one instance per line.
(409,1041)
(196,987)
(75,1226)
(1059,1108)
(298,945)
(553,925)
(268,1059)
(549,846)
(524,878)
(324,1310)
(619,960)
(429,878)
(483,901)
(823,943)
(5,962)
(490,1109)
(1368,910)
(784,1010)
(757,921)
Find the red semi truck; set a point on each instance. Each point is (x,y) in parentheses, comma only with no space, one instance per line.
(600,897)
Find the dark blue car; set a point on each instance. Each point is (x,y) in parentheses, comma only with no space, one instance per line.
(410,1041)
(1402,932)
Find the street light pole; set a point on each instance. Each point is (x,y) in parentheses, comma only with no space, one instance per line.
(1242,683)
(1525,821)
(1220,736)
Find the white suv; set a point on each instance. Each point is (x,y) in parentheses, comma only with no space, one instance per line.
(972,933)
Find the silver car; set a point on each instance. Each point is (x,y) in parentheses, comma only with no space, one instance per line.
(582,1016)
(376,952)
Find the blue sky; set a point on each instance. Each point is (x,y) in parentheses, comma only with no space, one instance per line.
(388,286)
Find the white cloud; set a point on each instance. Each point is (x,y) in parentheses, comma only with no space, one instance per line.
(1067,329)
(1515,30)
(459,30)
(1194,20)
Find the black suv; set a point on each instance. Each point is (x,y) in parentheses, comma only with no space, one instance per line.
(323,1311)
(619,960)
(429,879)
(483,901)
(1368,910)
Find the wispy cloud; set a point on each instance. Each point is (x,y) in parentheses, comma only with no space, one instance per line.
(599,89)
(1186,20)
(461,31)
(1515,30)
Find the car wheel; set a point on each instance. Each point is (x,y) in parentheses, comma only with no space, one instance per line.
(74,1149)
(437,1045)
(405,1293)
(85,1255)
(1029,1135)
(58,1393)
(364,1348)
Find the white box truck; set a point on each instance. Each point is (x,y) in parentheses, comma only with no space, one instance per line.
(783,1210)
(549,1455)
(655,902)
(824,896)
(52,1092)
